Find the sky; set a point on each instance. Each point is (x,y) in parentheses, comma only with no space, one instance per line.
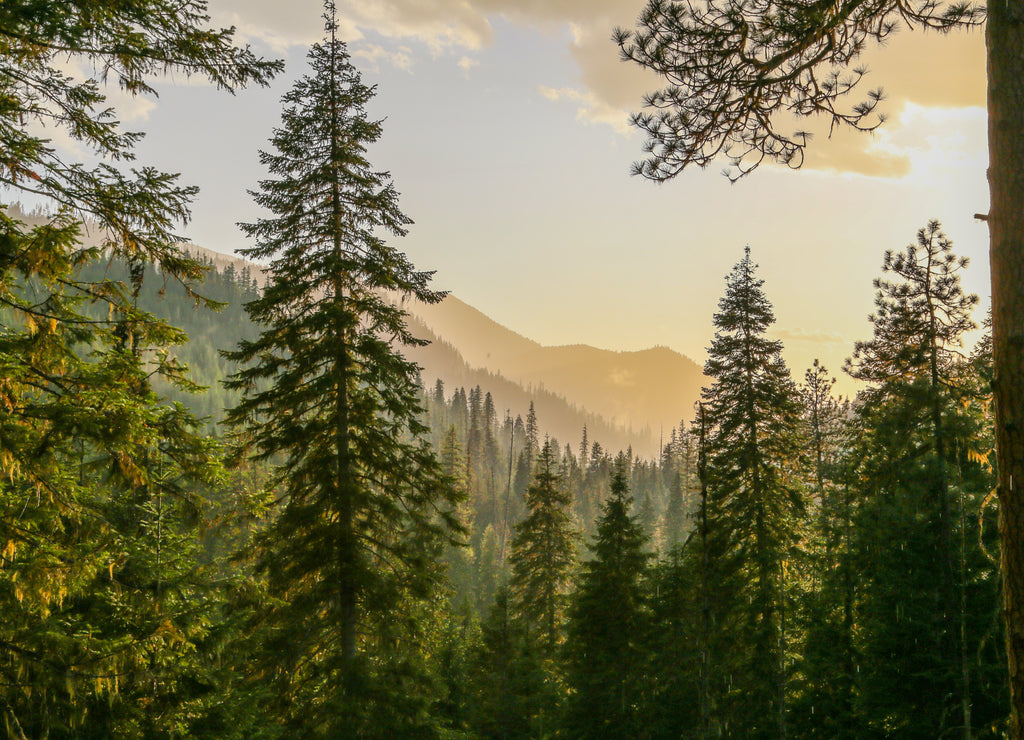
(506,132)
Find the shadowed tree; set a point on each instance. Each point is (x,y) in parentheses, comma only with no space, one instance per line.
(543,553)
(365,507)
(608,623)
(755,506)
(542,556)
(911,423)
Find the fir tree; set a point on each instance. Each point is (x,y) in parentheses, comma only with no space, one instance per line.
(543,553)
(608,624)
(96,470)
(755,506)
(365,504)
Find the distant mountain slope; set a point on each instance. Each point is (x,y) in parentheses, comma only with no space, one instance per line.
(624,398)
(650,388)
(481,340)
(556,415)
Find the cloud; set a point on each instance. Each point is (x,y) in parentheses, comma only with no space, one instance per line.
(373,54)
(276,24)
(914,67)
(466,64)
(855,152)
(440,24)
(930,69)
(590,107)
(810,336)
(920,142)
(925,78)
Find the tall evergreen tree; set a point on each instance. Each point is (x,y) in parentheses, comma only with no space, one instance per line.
(542,556)
(87,449)
(912,421)
(608,624)
(755,506)
(543,553)
(330,399)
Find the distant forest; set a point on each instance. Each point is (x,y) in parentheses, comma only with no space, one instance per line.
(868,556)
(230,508)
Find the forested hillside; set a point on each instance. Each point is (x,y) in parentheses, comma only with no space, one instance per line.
(639,390)
(231,282)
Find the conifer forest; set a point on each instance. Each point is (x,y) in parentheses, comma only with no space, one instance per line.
(232,508)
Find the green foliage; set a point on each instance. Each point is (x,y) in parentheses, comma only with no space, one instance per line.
(352,558)
(510,693)
(672,684)
(102,606)
(543,554)
(755,506)
(608,625)
(207,331)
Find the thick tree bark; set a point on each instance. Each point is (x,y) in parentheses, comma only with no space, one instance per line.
(1005,43)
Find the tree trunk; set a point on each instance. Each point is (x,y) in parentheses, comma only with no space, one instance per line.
(347,549)
(1005,43)
(705,584)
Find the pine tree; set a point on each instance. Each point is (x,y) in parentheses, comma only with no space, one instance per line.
(608,624)
(96,471)
(543,553)
(755,506)
(912,421)
(365,504)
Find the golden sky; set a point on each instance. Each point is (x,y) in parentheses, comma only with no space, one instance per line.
(507,135)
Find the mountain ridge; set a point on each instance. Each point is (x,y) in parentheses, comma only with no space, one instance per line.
(654,387)
(627,398)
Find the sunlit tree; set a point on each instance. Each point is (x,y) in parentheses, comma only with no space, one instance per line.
(737,73)
(96,471)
